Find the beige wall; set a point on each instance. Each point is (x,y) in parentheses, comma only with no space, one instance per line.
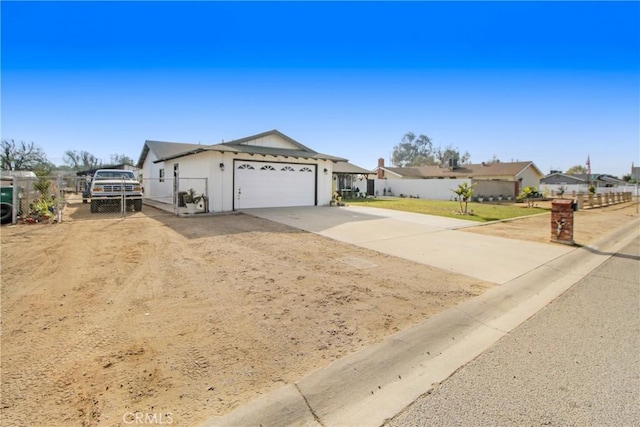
(494,188)
(529,178)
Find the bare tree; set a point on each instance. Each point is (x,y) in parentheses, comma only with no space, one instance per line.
(80,159)
(22,156)
(117,159)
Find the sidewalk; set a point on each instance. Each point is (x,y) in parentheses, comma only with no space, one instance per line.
(372,385)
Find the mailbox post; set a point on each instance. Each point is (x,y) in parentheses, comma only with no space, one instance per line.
(562,221)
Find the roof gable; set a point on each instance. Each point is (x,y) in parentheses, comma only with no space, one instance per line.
(270,139)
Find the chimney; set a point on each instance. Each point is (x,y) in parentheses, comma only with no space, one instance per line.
(380,166)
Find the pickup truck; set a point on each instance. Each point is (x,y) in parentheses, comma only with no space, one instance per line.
(110,186)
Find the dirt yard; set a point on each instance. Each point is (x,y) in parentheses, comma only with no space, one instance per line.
(589,224)
(181,319)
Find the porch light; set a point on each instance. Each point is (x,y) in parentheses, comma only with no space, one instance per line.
(326,171)
(222,167)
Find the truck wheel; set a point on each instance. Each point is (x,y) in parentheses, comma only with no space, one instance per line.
(6,213)
(137,205)
(94,206)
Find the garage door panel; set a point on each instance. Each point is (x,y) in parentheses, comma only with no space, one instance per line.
(260,184)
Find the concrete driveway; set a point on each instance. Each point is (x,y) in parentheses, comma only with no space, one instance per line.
(427,239)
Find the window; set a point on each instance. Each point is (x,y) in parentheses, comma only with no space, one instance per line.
(245,166)
(288,169)
(306,169)
(161,175)
(267,168)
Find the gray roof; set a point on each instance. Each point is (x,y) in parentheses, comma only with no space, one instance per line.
(555,177)
(165,150)
(349,168)
(583,178)
(173,150)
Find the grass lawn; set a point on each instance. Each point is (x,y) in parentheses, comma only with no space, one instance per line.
(482,212)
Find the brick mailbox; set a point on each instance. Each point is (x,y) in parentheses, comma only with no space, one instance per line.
(562,221)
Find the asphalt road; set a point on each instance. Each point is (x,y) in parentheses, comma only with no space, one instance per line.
(574,363)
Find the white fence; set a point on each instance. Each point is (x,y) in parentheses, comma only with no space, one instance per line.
(441,189)
(550,190)
(433,189)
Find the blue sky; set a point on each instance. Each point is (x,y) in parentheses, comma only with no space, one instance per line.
(549,82)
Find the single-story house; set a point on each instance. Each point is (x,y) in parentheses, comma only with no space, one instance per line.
(599,180)
(269,169)
(501,177)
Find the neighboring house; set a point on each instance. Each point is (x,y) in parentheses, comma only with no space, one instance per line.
(558,178)
(350,179)
(599,180)
(490,178)
(265,170)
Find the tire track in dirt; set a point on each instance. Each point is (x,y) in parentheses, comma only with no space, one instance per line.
(43,372)
(14,285)
(220,310)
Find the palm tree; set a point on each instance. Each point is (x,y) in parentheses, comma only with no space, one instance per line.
(464,192)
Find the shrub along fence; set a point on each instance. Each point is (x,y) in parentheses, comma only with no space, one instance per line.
(49,199)
(32,199)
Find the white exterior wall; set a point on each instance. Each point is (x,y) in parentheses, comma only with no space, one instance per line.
(218,185)
(192,171)
(432,189)
(325,191)
(153,188)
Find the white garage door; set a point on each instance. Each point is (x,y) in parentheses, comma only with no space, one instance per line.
(263,184)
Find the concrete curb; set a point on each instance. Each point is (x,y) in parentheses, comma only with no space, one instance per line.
(374,384)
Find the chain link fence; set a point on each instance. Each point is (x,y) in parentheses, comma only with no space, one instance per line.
(31,199)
